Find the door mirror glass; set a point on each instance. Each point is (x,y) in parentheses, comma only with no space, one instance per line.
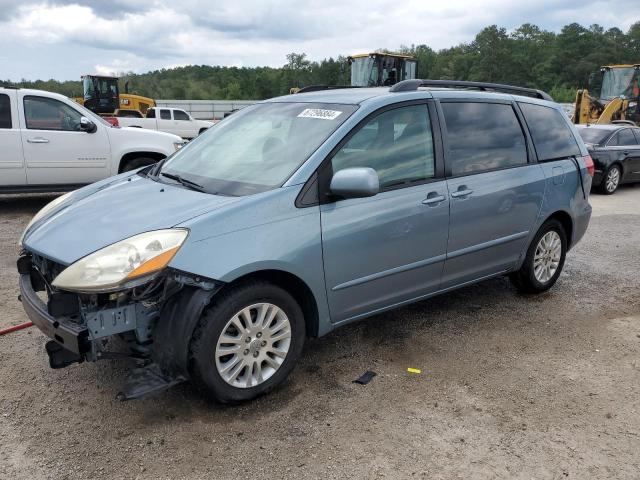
(87,125)
(355,183)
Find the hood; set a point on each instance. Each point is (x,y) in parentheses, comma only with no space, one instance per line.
(121,209)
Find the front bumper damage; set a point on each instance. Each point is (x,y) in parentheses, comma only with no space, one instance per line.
(154,322)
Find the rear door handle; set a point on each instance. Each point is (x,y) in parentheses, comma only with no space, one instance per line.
(461,193)
(37,140)
(433,199)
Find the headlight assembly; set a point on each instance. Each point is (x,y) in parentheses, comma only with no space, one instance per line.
(44,211)
(124,263)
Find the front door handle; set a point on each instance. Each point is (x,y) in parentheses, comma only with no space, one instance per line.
(433,199)
(461,193)
(37,140)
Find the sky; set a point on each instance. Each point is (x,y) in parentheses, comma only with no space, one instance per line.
(64,39)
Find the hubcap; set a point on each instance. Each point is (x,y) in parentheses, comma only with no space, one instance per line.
(547,256)
(253,345)
(613,178)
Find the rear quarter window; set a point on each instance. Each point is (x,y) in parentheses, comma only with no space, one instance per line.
(552,136)
(5,111)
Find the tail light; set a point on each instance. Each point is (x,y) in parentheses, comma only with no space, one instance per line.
(113,121)
(588,162)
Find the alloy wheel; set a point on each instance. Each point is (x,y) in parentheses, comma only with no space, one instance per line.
(253,345)
(547,256)
(613,179)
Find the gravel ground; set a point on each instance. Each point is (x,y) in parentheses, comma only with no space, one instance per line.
(511,387)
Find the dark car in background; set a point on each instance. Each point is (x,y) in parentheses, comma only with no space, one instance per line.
(615,150)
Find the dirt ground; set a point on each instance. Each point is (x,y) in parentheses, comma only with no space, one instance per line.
(511,387)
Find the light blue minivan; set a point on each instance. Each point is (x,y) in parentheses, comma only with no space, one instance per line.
(300,214)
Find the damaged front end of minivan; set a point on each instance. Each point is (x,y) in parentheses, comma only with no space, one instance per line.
(119,302)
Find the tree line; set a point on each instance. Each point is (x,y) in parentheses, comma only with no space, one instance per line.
(529,56)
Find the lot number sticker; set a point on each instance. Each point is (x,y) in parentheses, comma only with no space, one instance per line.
(319,113)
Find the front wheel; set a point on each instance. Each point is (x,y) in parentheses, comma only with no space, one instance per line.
(544,260)
(247,342)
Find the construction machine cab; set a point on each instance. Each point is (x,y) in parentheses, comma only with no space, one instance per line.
(613,95)
(381,69)
(100,93)
(619,81)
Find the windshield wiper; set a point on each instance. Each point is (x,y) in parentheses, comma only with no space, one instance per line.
(184,181)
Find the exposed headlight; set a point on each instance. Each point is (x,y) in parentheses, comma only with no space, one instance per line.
(124,263)
(44,211)
(178,145)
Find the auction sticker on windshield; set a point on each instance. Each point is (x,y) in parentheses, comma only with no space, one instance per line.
(319,113)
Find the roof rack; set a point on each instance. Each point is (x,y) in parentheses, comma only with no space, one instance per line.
(317,88)
(411,85)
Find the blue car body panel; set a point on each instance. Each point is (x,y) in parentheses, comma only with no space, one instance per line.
(356,256)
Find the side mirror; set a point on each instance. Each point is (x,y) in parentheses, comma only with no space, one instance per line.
(87,125)
(355,183)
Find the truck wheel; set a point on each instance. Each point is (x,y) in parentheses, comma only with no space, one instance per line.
(544,261)
(138,162)
(247,342)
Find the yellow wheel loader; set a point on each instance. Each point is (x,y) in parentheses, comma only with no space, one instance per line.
(613,96)
(374,70)
(101,95)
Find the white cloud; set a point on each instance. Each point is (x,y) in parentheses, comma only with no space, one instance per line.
(139,35)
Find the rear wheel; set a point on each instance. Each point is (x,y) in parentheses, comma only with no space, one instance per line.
(135,163)
(247,342)
(611,180)
(544,260)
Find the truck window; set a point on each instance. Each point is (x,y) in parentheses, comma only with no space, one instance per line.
(43,113)
(5,111)
(552,137)
(180,115)
(165,114)
(483,136)
(151,113)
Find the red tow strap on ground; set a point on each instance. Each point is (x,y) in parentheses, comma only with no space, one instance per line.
(15,328)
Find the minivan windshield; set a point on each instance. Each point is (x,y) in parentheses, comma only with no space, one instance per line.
(257,148)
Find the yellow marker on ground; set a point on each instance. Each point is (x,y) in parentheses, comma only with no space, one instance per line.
(414,370)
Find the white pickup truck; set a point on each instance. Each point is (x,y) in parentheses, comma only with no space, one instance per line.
(50,143)
(170,120)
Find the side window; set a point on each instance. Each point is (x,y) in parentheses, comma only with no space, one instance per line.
(165,114)
(626,137)
(551,134)
(5,111)
(636,131)
(43,113)
(180,115)
(151,113)
(397,144)
(483,136)
(614,140)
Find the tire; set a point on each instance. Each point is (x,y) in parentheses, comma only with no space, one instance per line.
(232,377)
(611,180)
(138,162)
(526,280)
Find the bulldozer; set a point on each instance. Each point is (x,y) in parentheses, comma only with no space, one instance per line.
(613,96)
(101,95)
(373,70)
